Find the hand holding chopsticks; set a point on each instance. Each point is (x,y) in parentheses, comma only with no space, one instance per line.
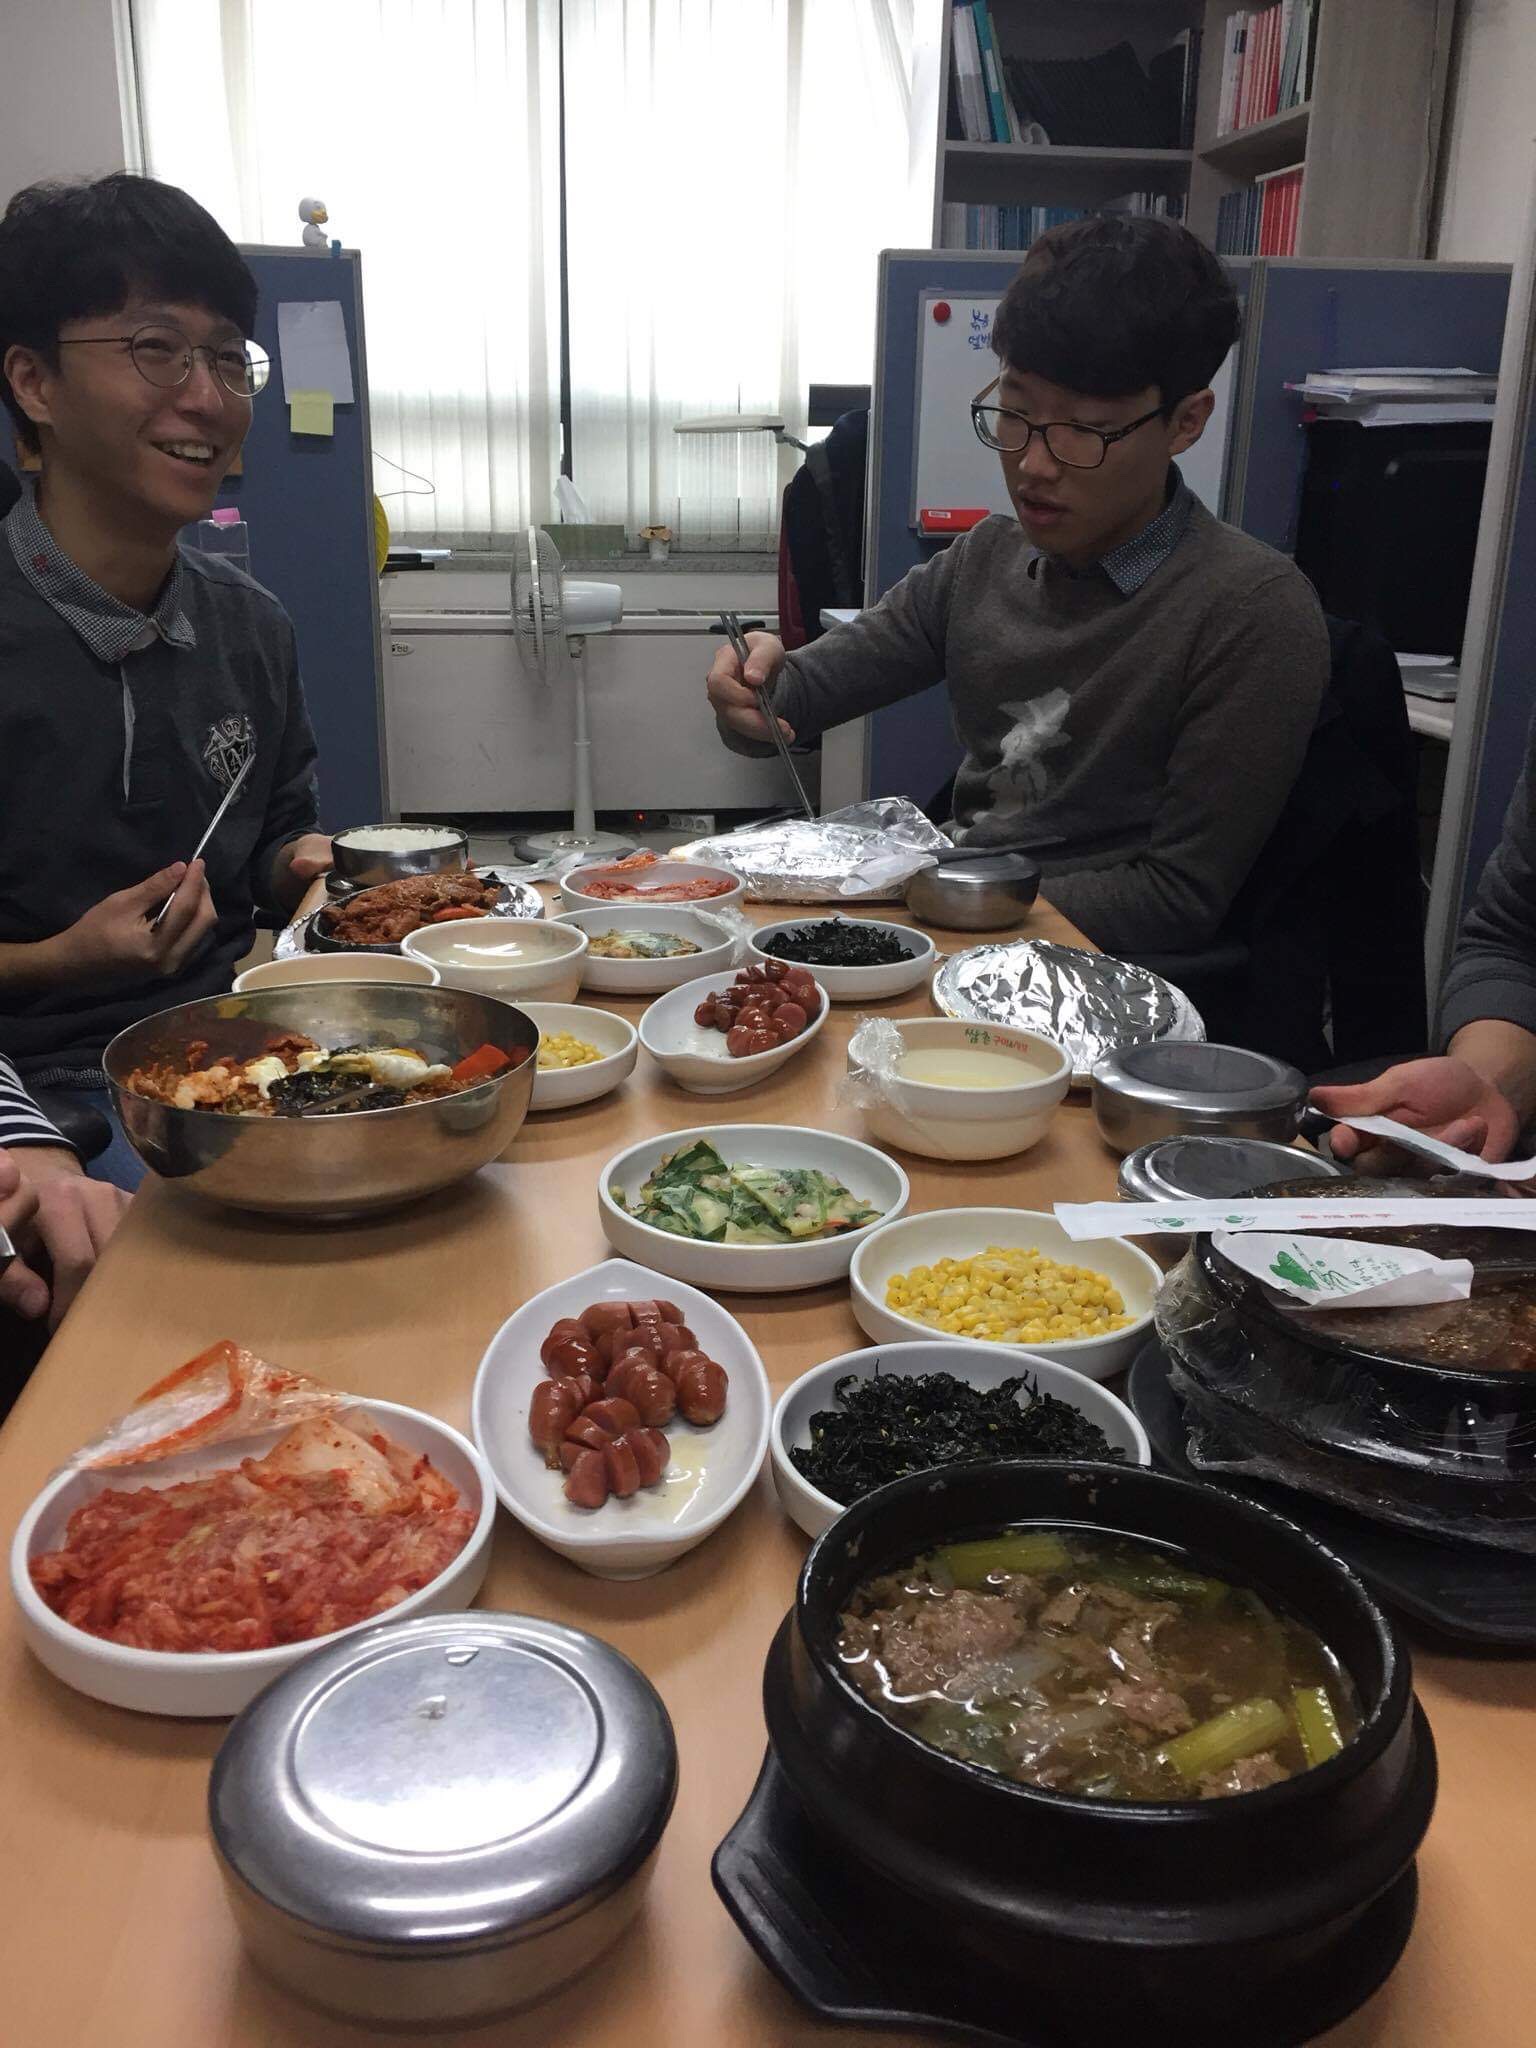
(733,632)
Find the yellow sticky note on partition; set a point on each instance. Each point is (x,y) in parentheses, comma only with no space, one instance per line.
(312,412)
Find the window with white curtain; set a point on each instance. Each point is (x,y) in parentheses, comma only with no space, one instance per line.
(732,169)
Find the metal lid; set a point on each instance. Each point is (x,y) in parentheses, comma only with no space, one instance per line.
(1216,1169)
(975,871)
(1206,1080)
(460,1781)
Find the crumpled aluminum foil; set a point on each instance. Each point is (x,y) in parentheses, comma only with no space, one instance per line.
(1090,1003)
(868,852)
(518,899)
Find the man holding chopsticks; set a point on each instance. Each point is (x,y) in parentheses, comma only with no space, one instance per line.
(141,683)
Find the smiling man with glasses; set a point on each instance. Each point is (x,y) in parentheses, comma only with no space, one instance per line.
(1134,683)
(137,677)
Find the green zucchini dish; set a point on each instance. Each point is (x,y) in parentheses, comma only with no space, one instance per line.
(694,1193)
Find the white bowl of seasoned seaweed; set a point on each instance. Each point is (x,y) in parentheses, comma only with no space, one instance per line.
(856,959)
(871,1416)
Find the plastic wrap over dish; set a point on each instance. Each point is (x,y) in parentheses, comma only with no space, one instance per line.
(1423,1416)
(1088,1002)
(867,853)
(223,1393)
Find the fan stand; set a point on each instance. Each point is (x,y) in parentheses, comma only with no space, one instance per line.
(581,836)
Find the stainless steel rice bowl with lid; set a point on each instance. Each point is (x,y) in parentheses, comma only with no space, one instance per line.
(441,1820)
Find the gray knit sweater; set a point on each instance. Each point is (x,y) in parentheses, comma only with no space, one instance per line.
(1494,971)
(1152,736)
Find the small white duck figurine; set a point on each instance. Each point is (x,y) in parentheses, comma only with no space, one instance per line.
(314,216)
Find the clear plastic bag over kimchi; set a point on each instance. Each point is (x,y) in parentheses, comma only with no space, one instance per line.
(224,1393)
(1423,1416)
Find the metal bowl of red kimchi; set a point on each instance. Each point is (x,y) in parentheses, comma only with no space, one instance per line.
(288,1537)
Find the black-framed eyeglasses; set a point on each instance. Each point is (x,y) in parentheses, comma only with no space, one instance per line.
(164,356)
(1074,447)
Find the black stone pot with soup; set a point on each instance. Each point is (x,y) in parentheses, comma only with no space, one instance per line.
(1258,1917)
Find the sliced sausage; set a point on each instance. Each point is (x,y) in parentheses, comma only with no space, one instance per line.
(613,1415)
(653,1454)
(635,1350)
(651,1394)
(585,1431)
(566,1356)
(701,1391)
(554,1407)
(623,1471)
(670,1312)
(606,1315)
(586,1484)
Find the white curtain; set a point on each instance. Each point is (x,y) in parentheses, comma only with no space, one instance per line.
(430,129)
(733,168)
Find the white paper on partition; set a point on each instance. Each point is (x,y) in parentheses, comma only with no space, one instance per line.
(1082,1220)
(312,347)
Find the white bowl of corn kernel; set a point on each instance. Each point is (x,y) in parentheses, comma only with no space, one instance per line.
(582,1053)
(1006,1276)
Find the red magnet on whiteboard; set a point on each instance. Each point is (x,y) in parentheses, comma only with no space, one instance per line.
(941,311)
(949,518)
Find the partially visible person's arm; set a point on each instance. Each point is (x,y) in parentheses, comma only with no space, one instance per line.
(291,852)
(58,1219)
(1492,976)
(117,939)
(893,650)
(1255,686)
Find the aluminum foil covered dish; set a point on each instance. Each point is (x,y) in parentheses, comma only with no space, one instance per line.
(865,853)
(1090,1003)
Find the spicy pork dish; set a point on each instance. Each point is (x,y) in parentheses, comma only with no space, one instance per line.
(1096,1665)
(386,915)
(297,1077)
(335,1525)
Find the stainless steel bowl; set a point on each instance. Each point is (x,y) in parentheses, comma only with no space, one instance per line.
(442,1819)
(1217,1169)
(364,867)
(982,893)
(1181,1087)
(331,1166)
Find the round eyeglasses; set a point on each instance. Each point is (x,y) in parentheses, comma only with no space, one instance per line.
(1074,447)
(164,356)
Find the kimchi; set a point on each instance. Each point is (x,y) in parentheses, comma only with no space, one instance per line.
(337,1524)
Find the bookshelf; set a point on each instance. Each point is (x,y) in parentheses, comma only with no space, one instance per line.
(1366,140)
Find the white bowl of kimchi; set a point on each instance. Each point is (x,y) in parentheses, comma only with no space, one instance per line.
(399,1514)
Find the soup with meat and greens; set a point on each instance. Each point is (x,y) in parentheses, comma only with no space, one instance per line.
(1096,1664)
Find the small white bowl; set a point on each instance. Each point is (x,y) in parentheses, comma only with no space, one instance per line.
(752,1268)
(205,1682)
(712,1469)
(961,1234)
(661,875)
(983,1365)
(694,1055)
(614,1037)
(857,984)
(309,967)
(719,948)
(520,958)
(944,1122)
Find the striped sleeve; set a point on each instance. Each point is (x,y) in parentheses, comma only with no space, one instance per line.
(21,1121)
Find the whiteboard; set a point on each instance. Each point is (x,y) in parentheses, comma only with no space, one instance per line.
(953,469)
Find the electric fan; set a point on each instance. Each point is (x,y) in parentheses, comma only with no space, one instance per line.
(552,614)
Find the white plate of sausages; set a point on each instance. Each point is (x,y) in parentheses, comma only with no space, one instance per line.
(623,1417)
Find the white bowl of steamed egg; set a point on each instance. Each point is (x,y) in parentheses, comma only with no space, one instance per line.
(963,1091)
(582,1054)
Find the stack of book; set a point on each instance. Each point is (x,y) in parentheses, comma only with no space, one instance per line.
(1262,218)
(1266,65)
(1107,101)
(1016,227)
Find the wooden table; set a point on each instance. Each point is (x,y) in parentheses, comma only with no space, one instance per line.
(115,1933)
